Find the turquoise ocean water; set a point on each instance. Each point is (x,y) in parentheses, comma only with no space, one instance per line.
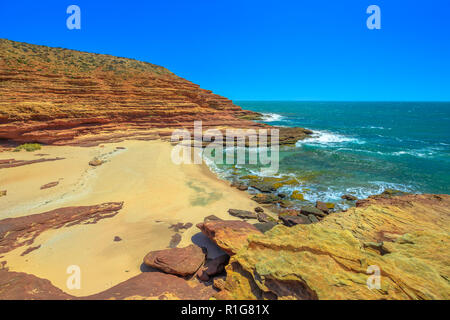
(362,148)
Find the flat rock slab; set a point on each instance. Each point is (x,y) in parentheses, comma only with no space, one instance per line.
(229,235)
(179,261)
(13,230)
(311,210)
(294,220)
(243,214)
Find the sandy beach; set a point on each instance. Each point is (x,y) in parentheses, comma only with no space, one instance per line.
(156,194)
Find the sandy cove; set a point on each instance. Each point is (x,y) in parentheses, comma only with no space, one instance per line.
(156,194)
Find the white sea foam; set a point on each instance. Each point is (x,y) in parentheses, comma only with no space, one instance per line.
(272,117)
(419,153)
(376,127)
(328,138)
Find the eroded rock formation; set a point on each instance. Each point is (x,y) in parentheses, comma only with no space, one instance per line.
(406,237)
(66,97)
(22,231)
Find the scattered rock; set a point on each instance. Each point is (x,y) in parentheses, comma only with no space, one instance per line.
(243,214)
(239,186)
(180,261)
(282,195)
(263,187)
(117,238)
(3,193)
(290,221)
(96,162)
(285,203)
(264,217)
(229,235)
(349,197)
(313,218)
(265,198)
(259,210)
(50,185)
(265,226)
(307,210)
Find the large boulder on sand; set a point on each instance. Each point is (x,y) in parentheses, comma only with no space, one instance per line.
(180,261)
(229,235)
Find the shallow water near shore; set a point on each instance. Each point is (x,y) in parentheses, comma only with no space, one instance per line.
(360,148)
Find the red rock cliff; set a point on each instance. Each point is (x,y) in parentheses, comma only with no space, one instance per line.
(60,96)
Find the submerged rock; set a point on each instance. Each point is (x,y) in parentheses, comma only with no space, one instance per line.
(179,261)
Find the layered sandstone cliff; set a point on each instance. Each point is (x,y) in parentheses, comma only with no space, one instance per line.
(59,96)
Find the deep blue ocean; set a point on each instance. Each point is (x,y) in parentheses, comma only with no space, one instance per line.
(363,148)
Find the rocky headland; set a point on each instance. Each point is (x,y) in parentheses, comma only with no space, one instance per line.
(66,97)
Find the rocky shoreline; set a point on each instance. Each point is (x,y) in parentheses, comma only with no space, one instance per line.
(325,260)
(203,239)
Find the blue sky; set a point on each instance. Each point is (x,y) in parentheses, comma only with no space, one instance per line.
(261,50)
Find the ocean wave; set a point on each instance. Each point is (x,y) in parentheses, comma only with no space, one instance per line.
(419,153)
(376,127)
(328,138)
(272,117)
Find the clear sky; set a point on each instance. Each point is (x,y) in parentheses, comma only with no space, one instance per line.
(261,50)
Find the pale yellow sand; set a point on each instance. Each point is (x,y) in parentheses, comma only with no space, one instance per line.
(156,194)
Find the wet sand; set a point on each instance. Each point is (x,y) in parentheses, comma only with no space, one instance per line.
(156,194)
